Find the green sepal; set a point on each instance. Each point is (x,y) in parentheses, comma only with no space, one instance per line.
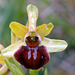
(32,11)
(54,45)
(11,49)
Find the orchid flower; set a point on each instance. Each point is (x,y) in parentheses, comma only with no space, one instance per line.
(29,46)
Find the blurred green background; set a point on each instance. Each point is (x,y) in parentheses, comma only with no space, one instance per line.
(60,12)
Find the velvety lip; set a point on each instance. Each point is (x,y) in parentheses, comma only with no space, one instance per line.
(32,58)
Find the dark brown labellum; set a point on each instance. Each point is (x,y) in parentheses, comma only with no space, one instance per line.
(32,58)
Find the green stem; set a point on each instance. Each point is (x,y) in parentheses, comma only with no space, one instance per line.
(45,73)
(34,72)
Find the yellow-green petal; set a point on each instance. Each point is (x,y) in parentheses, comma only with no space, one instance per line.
(19,29)
(44,29)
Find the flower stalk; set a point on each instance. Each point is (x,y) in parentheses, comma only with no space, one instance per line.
(34,72)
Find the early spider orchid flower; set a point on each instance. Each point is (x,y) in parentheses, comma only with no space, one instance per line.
(31,55)
(33,50)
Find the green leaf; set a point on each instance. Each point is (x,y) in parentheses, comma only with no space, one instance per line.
(54,45)
(13,68)
(34,72)
(13,61)
(19,29)
(17,71)
(11,49)
(44,29)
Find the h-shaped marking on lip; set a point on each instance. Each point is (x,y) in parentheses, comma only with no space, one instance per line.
(34,54)
(29,54)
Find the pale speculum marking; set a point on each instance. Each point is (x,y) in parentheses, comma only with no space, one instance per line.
(29,54)
(34,54)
